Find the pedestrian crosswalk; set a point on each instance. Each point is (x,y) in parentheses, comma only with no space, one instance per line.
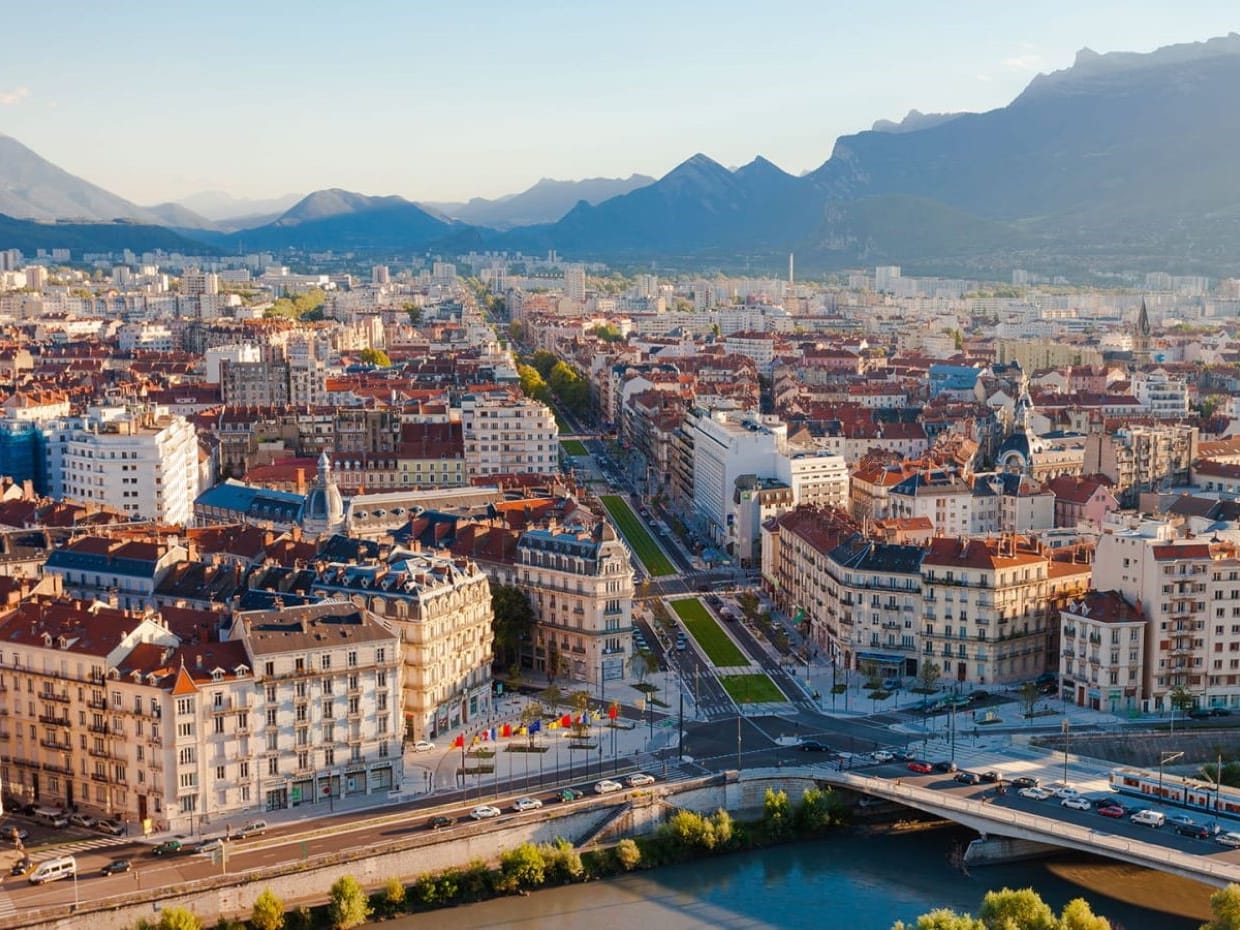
(7,907)
(82,845)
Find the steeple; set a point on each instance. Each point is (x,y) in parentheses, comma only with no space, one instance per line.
(1141,339)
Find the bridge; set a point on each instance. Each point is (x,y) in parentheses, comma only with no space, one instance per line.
(993,821)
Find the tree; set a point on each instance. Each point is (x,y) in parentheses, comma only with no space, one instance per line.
(643,663)
(1225,904)
(1078,915)
(628,855)
(928,677)
(818,810)
(393,896)
(552,696)
(376,357)
(415,313)
(1181,699)
(523,867)
(1016,910)
(532,383)
(543,361)
(942,919)
(347,906)
(580,702)
(869,668)
(776,812)
(267,912)
(513,622)
(178,918)
(1028,697)
(561,861)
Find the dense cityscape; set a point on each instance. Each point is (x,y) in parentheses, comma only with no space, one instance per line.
(417,555)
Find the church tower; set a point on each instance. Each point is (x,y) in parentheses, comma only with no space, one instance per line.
(1141,339)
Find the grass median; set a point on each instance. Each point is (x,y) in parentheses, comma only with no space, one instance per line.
(720,649)
(751,689)
(573,447)
(657,564)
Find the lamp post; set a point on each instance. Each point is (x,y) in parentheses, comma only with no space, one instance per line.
(1064,729)
(1163,759)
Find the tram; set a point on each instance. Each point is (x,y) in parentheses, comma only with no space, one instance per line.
(1176,789)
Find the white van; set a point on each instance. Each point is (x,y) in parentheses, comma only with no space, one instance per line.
(49,870)
(1149,818)
(253,828)
(51,816)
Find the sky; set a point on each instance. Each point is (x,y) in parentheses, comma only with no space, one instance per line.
(446,101)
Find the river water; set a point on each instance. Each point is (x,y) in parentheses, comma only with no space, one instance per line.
(844,881)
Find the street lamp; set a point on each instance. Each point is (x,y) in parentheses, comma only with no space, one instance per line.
(1163,759)
(1064,729)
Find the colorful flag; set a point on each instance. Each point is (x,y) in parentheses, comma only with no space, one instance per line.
(485,735)
(459,742)
(520,731)
(493,736)
(536,726)
(506,730)
(553,725)
(566,720)
(613,711)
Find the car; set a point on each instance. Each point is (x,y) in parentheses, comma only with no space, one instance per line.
(439,821)
(110,827)
(1025,781)
(978,695)
(520,805)
(1077,803)
(1231,840)
(882,755)
(968,778)
(1065,791)
(423,746)
(167,848)
(921,768)
(485,812)
(252,828)
(607,786)
(1035,794)
(813,745)
(1219,712)
(571,794)
(215,844)
(1199,713)
(22,866)
(638,779)
(991,777)
(1112,810)
(82,820)
(906,755)
(945,766)
(1197,830)
(1181,820)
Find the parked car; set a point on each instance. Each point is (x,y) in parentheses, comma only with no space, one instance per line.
(607,786)
(1025,781)
(991,777)
(1149,818)
(1231,840)
(638,779)
(570,794)
(110,827)
(439,821)
(1112,810)
(1065,791)
(922,768)
(1181,820)
(212,845)
(167,848)
(1035,793)
(485,812)
(975,696)
(813,745)
(82,820)
(1219,712)
(521,805)
(945,766)
(1197,830)
(1076,803)
(882,755)
(423,746)
(968,778)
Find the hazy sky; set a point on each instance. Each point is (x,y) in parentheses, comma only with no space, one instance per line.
(442,101)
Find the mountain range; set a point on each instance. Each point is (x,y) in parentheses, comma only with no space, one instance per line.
(1123,160)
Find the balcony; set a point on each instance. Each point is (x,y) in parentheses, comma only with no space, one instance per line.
(54,721)
(230,706)
(56,745)
(99,704)
(53,696)
(59,769)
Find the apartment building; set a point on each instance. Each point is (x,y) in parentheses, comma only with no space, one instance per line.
(506,435)
(121,572)
(941,496)
(1139,458)
(1102,659)
(816,478)
(441,609)
(875,594)
(327,721)
(142,462)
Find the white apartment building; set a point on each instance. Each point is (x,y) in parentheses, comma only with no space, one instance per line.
(817,478)
(143,462)
(327,722)
(149,337)
(942,497)
(506,435)
(441,609)
(1160,394)
(725,446)
(1103,656)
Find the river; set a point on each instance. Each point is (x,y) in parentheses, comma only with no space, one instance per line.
(844,881)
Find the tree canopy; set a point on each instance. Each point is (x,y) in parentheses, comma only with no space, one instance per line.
(375,357)
(513,622)
(296,306)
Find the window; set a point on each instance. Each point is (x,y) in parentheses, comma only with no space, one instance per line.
(219,773)
(273,766)
(243,770)
(185,705)
(352,659)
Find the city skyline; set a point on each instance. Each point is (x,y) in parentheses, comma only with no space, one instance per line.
(482,104)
